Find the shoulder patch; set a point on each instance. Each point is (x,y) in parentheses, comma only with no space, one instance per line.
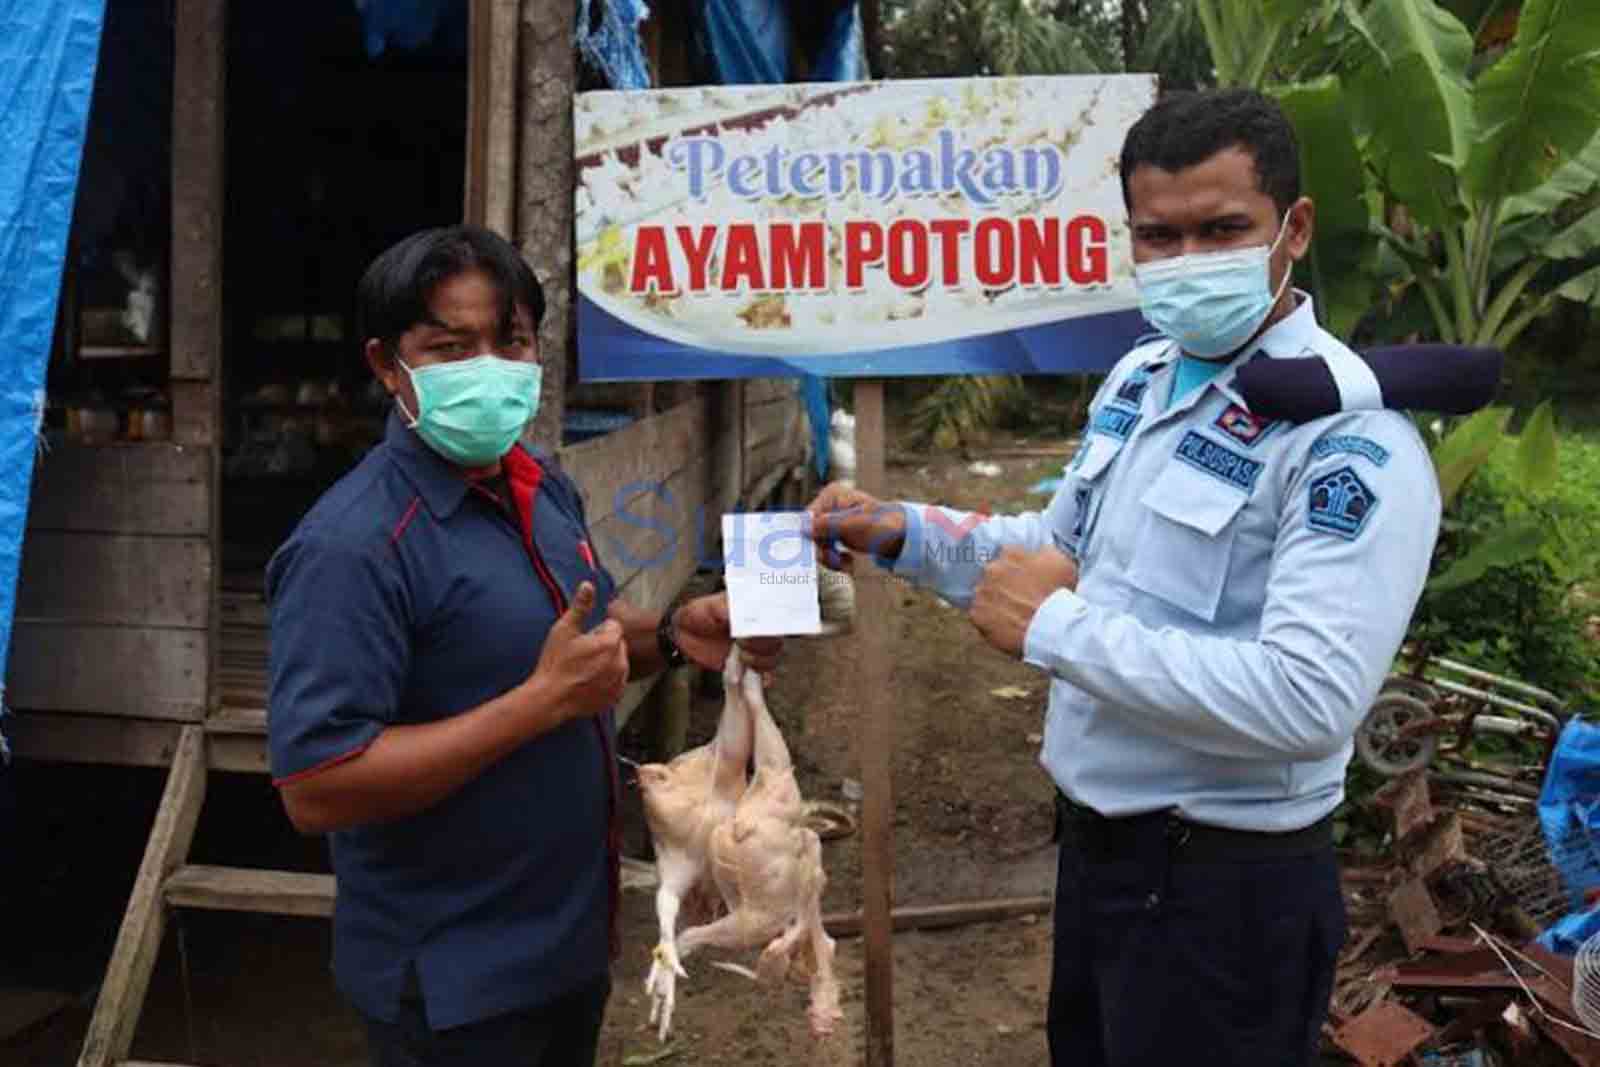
(1219,461)
(1243,426)
(1115,422)
(1131,392)
(1351,444)
(1341,503)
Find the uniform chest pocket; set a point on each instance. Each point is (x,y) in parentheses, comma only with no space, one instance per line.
(1185,538)
(1071,511)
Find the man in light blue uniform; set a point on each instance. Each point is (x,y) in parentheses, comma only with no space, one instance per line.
(1217,598)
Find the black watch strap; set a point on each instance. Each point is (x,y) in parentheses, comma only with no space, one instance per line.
(666,641)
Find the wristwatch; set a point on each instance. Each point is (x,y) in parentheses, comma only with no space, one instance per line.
(666,640)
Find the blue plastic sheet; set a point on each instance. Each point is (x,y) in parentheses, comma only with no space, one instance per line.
(411,24)
(614,46)
(47,66)
(1569,815)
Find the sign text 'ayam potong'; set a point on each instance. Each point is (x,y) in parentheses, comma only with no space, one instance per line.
(991,251)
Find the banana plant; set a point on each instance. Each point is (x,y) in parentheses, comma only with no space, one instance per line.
(1464,163)
(1534,469)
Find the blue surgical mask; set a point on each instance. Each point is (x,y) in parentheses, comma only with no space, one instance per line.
(472,411)
(1211,303)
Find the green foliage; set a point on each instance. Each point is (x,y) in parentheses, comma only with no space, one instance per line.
(960,410)
(1540,103)
(1456,173)
(952,38)
(1517,551)
(1466,448)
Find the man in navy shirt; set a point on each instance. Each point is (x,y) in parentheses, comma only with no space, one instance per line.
(446,652)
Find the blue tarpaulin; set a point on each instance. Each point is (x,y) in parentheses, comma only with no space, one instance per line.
(1569,815)
(613,45)
(412,24)
(47,66)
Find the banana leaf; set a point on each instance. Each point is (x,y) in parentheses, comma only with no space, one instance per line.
(1513,543)
(1466,447)
(1330,166)
(1584,289)
(1576,177)
(1539,105)
(1409,93)
(1534,464)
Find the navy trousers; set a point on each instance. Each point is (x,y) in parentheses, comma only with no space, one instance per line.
(565,1033)
(1161,961)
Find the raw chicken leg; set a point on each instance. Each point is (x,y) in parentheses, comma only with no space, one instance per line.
(767,865)
(684,801)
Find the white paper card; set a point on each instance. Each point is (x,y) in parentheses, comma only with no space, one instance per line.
(771,569)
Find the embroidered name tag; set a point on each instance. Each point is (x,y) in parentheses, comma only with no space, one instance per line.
(1341,503)
(1115,422)
(1351,444)
(1243,426)
(1218,461)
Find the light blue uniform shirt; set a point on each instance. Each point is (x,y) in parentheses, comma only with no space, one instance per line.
(1243,588)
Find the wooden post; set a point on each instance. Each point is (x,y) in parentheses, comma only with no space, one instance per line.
(549,66)
(491,115)
(675,700)
(194,297)
(876,743)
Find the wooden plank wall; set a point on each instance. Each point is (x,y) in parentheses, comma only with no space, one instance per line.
(114,597)
(119,572)
(656,491)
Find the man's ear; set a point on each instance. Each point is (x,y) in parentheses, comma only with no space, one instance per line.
(382,364)
(1302,224)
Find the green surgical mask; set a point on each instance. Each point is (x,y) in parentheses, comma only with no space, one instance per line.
(472,411)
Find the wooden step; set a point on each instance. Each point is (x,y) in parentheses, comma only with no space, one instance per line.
(244,889)
(238,719)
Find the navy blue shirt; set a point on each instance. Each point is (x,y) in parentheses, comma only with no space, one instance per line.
(407,595)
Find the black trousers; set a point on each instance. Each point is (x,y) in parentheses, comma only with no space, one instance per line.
(564,1033)
(1161,960)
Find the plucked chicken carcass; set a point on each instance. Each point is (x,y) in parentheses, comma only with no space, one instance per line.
(735,857)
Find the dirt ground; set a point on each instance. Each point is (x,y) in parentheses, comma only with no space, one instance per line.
(972,820)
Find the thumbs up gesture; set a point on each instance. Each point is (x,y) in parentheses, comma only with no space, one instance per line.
(586,672)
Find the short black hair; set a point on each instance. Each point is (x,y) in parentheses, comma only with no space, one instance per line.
(1184,129)
(393,294)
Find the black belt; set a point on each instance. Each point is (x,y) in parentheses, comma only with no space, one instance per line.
(1103,838)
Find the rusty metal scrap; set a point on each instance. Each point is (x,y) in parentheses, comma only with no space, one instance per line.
(1383,1035)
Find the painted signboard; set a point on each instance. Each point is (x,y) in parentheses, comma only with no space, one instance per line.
(962,226)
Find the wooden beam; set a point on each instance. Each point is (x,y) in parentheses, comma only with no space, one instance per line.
(876,734)
(616,467)
(655,530)
(115,579)
(545,167)
(52,737)
(500,157)
(127,977)
(939,916)
(141,672)
(195,297)
(131,489)
(197,98)
(480,44)
(259,891)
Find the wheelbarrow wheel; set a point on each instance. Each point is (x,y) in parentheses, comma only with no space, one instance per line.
(1397,736)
